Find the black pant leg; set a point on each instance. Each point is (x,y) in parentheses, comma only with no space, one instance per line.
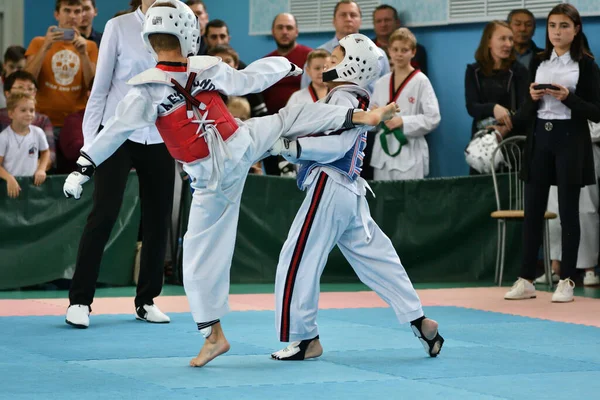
(568,206)
(536,202)
(156,172)
(110,180)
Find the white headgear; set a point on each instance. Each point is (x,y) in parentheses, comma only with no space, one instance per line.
(360,64)
(479,152)
(179,21)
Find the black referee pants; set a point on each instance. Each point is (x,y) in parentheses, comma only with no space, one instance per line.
(156,170)
(548,165)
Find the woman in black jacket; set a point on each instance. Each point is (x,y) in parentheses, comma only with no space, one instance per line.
(558,150)
(497,84)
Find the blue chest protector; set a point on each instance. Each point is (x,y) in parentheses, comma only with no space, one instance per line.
(350,164)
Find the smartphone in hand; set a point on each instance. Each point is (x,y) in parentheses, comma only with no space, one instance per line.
(68,33)
(542,86)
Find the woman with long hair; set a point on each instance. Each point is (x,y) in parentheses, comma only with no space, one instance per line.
(496,84)
(563,96)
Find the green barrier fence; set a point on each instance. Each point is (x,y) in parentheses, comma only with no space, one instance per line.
(441,229)
(40,232)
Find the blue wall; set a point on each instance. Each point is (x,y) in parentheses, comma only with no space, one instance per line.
(449,49)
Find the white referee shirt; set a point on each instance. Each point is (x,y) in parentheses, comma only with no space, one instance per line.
(564,71)
(122,56)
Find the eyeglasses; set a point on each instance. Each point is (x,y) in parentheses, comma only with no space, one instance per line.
(24,89)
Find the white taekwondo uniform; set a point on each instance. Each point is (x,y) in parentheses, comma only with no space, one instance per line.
(335,212)
(420,113)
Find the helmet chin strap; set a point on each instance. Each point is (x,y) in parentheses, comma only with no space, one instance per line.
(330,75)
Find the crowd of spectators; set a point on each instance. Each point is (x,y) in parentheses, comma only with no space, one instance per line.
(46,86)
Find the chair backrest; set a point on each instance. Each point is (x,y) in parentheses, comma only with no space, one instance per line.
(511,151)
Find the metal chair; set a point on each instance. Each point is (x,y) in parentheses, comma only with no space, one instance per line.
(511,151)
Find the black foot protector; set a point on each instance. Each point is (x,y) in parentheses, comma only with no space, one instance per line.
(432,346)
(295,351)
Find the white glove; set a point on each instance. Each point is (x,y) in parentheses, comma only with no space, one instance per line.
(288,149)
(295,71)
(75,180)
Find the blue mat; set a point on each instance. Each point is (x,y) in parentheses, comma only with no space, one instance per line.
(367,356)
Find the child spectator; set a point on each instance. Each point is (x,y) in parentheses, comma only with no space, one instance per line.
(23,82)
(21,144)
(316,62)
(239,107)
(400,150)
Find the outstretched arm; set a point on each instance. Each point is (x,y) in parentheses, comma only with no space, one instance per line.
(134,111)
(255,78)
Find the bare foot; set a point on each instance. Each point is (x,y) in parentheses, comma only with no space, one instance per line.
(375,116)
(214,345)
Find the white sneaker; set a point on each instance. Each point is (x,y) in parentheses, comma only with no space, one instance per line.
(151,313)
(591,279)
(521,290)
(78,315)
(564,291)
(542,279)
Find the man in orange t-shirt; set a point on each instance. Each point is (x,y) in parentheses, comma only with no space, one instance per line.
(64,64)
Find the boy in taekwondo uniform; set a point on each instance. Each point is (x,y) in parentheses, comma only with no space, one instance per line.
(181,96)
(335,212)
(400,150)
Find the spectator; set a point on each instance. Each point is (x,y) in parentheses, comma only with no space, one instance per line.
(347,18)
(14,60)
(496,84)
(86,28)
(23,147)
(285,32)
(400,151)
(316,63)
(385,22)
(217,33)
(24,82)
(230,56)
(239,107)
(559,150)
(63,66)
(71,140)
(522,23)
(200,10)
(589,201)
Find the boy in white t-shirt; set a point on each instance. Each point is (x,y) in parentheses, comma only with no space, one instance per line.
(23,147)
(400,150)
(316,62)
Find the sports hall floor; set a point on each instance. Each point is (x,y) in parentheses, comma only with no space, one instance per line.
(494,349)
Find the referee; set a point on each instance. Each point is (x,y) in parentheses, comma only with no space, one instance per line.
(122,56)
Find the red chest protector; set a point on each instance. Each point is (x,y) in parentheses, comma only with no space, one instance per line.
(183,128)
